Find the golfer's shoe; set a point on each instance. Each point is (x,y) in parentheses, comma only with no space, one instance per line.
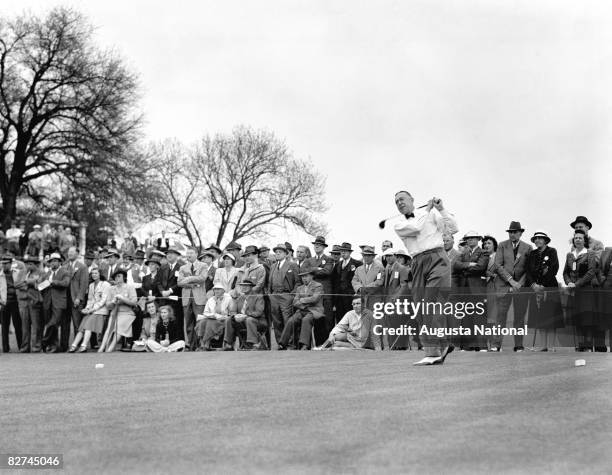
(428,360)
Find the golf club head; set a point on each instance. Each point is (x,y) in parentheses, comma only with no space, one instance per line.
(381,225)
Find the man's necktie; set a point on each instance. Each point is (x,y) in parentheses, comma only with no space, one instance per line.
(409,215)
(515,250)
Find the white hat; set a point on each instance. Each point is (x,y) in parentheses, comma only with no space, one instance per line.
(472,234)
(389,252)
(218,286)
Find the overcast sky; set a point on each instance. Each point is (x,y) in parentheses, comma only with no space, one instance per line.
(502,108)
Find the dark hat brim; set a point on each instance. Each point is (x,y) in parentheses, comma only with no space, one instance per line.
(584,221)
(546,238)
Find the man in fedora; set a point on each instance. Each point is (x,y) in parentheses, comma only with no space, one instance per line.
(55,302)
(344,271)
(10,309)
(235,249)
(422,234)
(30,305)
(282,283)
(395,287)
(77,292)
(583,224)
(255,271)
(112,266)
(308,307)
(191,279)
(250,316)
(169,289)
(323,266)
(511,261)
(289,250)
(369,278)
(470,268)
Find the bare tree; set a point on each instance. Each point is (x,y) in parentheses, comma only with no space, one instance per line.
(177,189)
(252,182)
(233,186)
(66,108)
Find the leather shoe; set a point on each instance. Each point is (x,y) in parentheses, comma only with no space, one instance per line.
(428,360)
(82,349)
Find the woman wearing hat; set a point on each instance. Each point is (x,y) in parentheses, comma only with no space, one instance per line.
(94,314)
(121,301)
(493,285)
(580,268)
(228,275)
(216,312)
(545,311)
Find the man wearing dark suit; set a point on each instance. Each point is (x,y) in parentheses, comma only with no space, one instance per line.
(281,286)
(470,268)
(344,271)
(77,294)
(168,285)
(30,305)
(395,287)
(323,266)
(55,302)
(112,264)
(511,260)
(10,311)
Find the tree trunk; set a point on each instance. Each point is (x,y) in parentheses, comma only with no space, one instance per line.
(9,202)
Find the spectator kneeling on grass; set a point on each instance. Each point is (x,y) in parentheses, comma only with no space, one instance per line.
(354,330)
(167,333)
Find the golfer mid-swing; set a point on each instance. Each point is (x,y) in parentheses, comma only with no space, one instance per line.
(421,233)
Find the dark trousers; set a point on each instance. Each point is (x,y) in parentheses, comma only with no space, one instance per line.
(252,325)
(344,304)
(10,311)
(31,326)
(64,326)
(53,321)
(281,309)
(431,277)
(305,320)
(74,314)
(324,325)
(519,300)
(189,312)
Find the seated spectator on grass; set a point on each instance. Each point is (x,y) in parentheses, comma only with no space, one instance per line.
(354,331)
(94,314)
(211,324)
(250,316)
(167,333)
(149,324)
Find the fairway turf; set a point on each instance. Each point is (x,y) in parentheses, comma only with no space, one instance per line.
(316,412)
